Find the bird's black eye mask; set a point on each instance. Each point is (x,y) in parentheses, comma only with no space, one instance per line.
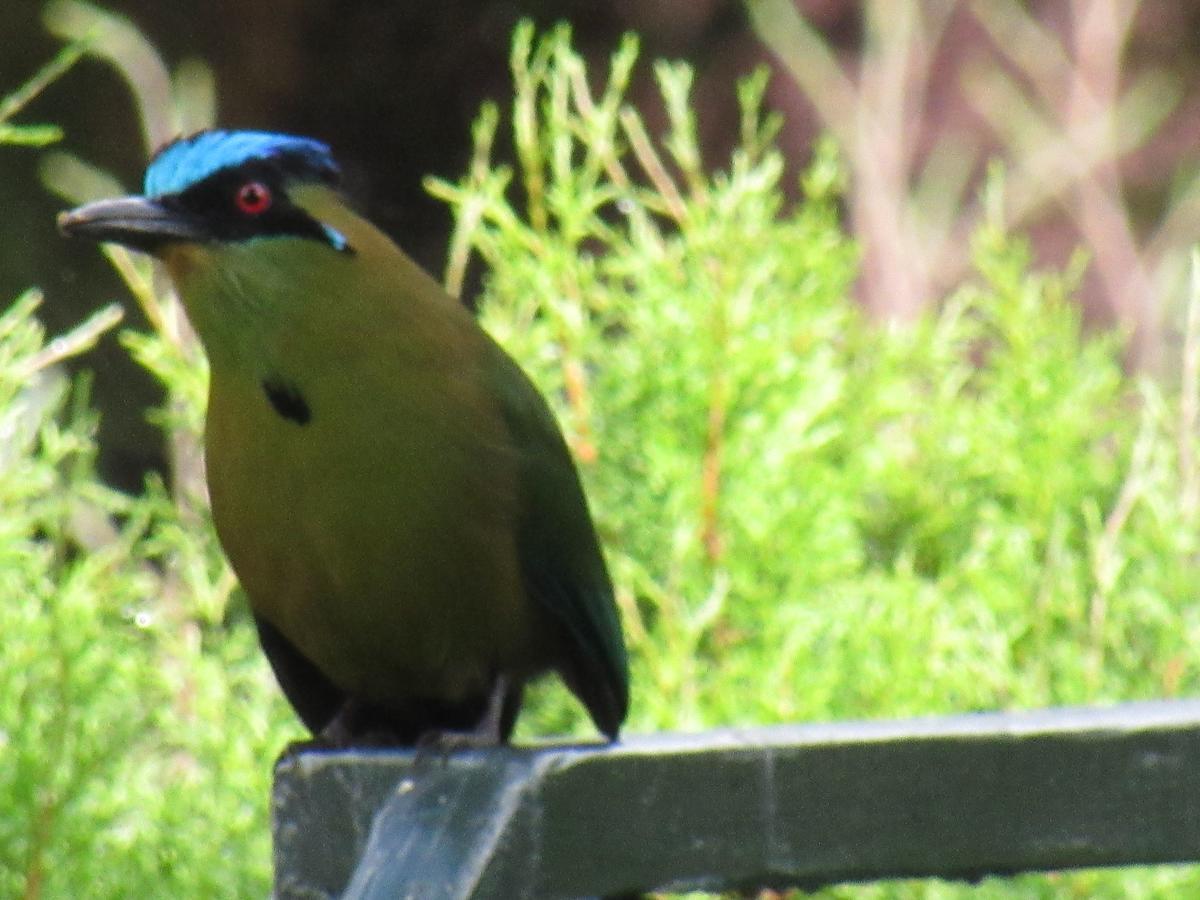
(247,202)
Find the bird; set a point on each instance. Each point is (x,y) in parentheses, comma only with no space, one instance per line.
(393,493)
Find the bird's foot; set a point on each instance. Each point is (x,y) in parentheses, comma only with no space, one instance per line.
(488,733)
(436,745)
(354,726)
(444,740)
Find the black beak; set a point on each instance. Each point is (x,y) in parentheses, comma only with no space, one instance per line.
(137,222)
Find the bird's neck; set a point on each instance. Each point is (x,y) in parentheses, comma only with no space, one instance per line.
(232,302)
(262,307)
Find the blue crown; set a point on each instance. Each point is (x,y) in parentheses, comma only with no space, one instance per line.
(190,160)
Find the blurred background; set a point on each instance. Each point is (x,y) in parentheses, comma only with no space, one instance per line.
(1092,105)
(814,508)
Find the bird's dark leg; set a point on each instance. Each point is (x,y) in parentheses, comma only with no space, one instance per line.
(339,731)
(337,734)
(359,724)
(490,728)
(490,732)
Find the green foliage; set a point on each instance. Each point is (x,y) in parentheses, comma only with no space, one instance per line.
(812,516)
(137,718)
(136,724)
(808,515)
(35,135)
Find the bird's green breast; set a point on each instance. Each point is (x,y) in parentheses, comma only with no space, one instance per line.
(378,533)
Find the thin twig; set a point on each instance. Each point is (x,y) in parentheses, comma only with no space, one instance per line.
(1189,397)
(1100,34)
(17,100)
(714,441)
(652,164)
(1104,560)
(115,39)
(714,455)
(78,340)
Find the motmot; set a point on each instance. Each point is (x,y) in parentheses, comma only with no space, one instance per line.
(394,494)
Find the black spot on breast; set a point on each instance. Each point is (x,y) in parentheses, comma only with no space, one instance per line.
(287,400)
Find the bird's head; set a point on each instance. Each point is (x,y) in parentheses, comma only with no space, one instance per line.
(218,187)
(253,231)
(262,247)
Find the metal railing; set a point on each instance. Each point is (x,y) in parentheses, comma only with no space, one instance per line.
(959,797)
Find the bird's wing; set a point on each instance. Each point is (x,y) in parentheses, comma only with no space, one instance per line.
(560,556)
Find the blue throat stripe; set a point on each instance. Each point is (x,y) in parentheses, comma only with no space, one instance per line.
(190,160)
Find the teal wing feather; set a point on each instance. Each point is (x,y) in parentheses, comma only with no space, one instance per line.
(560,556)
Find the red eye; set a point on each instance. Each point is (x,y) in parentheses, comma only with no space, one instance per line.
(253,198)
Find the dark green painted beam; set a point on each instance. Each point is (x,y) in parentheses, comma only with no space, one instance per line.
(960,797)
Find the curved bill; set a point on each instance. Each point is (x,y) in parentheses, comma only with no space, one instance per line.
(136,222)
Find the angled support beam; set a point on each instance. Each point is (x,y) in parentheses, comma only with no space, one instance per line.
(959,797)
